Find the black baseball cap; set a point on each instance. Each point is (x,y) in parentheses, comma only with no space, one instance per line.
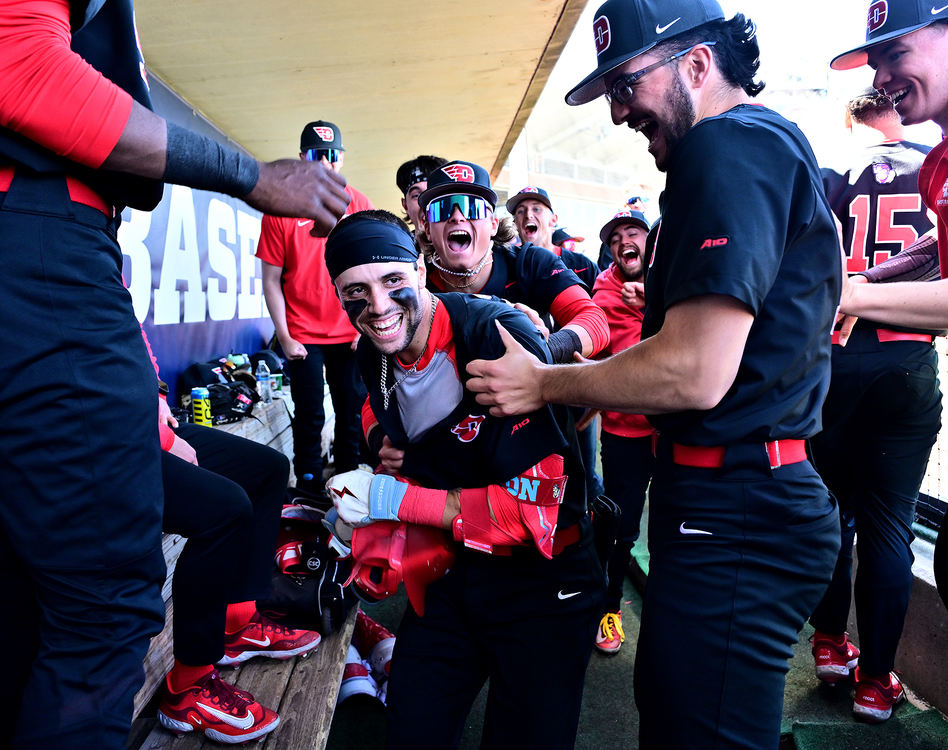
(416,170)
(529,193)
(458,178)
(625,216)
(888,20)
(561,236)
(623,29)
(320,134)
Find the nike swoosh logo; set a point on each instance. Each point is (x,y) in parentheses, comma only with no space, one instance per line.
(510,284)
(683,530)
(936,11)
(263,644)
(239,722)
(666,27)
(561,595)
(303,223)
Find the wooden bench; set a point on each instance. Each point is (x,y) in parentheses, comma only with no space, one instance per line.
(302,691)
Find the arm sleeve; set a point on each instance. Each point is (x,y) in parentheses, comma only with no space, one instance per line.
(918,262)
(573,306)
(49,93)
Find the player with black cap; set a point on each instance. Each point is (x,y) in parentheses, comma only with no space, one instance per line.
(312,331)
(412,180)
(535,220)
(905,43)
(473,255)
(732,369)
(520,603)
(626,438)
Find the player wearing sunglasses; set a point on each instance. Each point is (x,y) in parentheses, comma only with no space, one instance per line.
(312,330)
(473,254)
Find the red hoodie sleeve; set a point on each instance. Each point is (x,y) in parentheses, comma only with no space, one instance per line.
(573,306)
(49,93)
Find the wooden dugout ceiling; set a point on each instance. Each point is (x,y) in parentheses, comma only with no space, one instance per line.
(457,79)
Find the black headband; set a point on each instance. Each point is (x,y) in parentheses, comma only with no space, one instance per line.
(356,243)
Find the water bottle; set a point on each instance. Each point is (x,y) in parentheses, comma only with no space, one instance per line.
(263,382)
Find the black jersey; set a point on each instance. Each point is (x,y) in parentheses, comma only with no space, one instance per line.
(470,448)
(104,35)
(585,269)
(744,215)
(528,274)
(876,200)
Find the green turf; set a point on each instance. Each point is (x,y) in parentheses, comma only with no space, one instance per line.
(906,730)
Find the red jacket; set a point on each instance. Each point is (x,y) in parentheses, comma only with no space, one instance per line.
(625,328)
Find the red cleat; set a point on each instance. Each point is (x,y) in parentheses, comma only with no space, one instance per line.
(375,642)
(263,637)
(219,710)
(835,659)
(874,698)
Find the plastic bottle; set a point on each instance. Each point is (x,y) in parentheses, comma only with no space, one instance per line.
(263,382)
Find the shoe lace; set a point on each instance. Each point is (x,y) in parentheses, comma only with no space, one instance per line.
(229,698)
(612,625)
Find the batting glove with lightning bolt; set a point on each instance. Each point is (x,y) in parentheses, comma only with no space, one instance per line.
(361,497)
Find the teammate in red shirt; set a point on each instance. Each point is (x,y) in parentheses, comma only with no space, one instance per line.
(626,439)
(310,326)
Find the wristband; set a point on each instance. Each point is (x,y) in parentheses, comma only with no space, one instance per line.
(385,497)
(201,162)
(563,344)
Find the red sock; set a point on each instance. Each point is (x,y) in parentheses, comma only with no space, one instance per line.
(182,676)
(239,614)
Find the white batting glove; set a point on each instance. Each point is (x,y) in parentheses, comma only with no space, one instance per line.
(350,495)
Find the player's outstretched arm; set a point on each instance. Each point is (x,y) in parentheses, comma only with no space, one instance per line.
(689,364)
(917,304)
(151,147)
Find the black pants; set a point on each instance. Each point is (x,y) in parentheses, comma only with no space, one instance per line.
(739,556)
(626,470)
(880,420)
(348,395)
(80,507)
(526,623)
(228,507)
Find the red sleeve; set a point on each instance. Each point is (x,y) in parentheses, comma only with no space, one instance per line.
(165,434)
(574,307)
(368,418)
(271,247)
(49,93)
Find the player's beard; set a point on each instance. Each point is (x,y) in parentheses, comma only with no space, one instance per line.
(681,121)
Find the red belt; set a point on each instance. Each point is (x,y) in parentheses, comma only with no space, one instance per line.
(79,192)
(780,452)
(885,335)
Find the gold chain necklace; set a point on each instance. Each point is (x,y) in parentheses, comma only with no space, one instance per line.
(387,392)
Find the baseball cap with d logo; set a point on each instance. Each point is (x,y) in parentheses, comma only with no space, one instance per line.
(888,20)
(623,29)
(458,178)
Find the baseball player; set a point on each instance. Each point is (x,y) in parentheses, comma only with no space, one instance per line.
(314,334)
(882,413)
(626,439)
(536,224)
(520,602)
(904,45)
(412,180)
(732,369)
(533,216)
(81,508)
(472,255)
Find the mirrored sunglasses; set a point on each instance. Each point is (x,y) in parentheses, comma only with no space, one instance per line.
(315,154)
(471,207)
